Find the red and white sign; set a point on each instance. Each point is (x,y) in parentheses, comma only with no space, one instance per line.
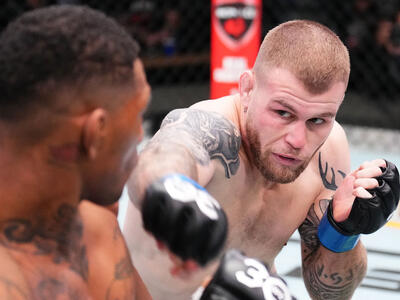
(235,39)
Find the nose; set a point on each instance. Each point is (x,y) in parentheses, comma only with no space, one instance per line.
(297,135)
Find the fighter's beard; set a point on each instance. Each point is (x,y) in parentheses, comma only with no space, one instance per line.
(269,170)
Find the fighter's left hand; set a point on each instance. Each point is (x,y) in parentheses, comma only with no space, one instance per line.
(366,198)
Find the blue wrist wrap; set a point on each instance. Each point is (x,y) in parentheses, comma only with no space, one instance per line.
(334,240)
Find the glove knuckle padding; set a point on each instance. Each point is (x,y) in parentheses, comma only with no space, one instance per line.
(240,277)
(181,224)
(368,215)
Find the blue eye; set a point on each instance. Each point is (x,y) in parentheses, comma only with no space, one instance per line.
(317,121)
(284,113)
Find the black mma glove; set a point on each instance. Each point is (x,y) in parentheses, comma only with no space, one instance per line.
(242,278)
(185,217)
(368,215)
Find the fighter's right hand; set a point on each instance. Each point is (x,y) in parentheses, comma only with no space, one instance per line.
(181,214)
(243,278)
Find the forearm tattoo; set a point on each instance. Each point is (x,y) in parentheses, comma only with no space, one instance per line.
(309,230)
(320,281)
(207,135)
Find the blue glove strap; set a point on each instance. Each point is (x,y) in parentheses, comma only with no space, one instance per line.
(334,240)
(185,178)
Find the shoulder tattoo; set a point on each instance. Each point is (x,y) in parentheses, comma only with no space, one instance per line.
(61,240)
(217,137)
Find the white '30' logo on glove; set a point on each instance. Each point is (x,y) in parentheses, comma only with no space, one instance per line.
(257,276)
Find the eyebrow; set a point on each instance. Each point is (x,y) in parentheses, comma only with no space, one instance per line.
(291,108)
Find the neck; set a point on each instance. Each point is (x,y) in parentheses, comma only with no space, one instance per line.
(241,117)
(39,215)
(31,184)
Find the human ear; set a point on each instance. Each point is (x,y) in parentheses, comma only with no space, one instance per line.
(246,85)
(94,131)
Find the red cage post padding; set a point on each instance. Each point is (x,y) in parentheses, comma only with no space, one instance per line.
(235,39)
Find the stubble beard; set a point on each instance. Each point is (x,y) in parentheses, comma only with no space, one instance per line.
(269,170)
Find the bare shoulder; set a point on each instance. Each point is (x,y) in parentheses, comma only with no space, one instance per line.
(332,162)
(224,106)
(12,282)
(330,165)
(99,222)
(208,135)
(336,142)
(113,275)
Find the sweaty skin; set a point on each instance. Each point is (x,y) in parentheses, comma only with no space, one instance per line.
(262,214)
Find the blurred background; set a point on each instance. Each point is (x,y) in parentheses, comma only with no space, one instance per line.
(175,40)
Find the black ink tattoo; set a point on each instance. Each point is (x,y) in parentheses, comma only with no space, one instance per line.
(309,229)
(210,136)
(122,286)
(51,288)
(323,285)
(331,185)
(61,239)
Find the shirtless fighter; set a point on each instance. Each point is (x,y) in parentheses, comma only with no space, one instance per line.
(276,160)
(72,95)
(72,92)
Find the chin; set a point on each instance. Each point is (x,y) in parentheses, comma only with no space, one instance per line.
(106,199)
(280,174)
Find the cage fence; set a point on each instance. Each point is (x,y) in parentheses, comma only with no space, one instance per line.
(175,47)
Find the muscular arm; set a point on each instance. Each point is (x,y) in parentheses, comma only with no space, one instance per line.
(329,275)
(187,143)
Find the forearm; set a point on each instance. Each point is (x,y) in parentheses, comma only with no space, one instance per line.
(330,275)
(188,142)
(157,161)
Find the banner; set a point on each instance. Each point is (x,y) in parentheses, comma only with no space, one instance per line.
(235,39)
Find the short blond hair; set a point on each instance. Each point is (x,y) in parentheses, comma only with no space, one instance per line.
(311,51)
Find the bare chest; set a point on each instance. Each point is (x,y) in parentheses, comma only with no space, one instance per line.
(262,230)
(261,221)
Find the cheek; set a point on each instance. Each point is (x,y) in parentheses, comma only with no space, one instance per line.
(137,127)
(268,128)
(130,156)
(132,141)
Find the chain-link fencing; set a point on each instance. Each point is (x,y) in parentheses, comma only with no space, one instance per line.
(175,40)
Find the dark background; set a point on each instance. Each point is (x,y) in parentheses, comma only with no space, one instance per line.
(175,41)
